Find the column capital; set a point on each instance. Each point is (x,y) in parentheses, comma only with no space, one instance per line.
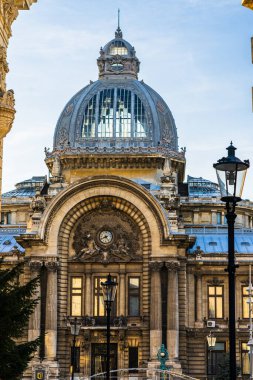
(52,265)
(155,266)
(172,266)
(35,265)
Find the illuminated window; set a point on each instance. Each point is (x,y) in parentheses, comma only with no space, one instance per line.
(118,48)
(76,296)
(133,296)
(215,301)
(99,308)
(245,305)
(245,365)
(114,113)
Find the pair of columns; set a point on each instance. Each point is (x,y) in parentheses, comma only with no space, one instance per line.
(51,307)
(172,333)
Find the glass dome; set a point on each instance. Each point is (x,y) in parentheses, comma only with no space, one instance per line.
(118,111)
(114,113)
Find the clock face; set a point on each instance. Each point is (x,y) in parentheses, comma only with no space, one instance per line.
(105,237)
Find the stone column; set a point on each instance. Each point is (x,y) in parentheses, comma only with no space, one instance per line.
(155,309)
(88,295)
(122,294)
(51,311)
(34,321)
(198,298)
(172,310)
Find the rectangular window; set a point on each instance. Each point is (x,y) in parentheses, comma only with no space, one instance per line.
(218,218)
(133,357)
(215,301)
(245,305)
(76,296)
(215,357)
(99,308)
(245,359)
(133,296)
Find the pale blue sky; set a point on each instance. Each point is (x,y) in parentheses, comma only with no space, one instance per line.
(195,53)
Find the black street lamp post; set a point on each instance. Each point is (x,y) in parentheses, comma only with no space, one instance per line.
(75,327)
(231,172)
(109,292)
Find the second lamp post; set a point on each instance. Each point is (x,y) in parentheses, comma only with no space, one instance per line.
(109,292)
(231,172)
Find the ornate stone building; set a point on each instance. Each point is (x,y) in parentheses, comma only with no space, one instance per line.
(116,202)
(8,13)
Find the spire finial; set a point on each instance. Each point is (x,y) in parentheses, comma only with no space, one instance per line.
(118,33)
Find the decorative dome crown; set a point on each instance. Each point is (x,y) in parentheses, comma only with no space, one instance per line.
(117,113)
(117,58)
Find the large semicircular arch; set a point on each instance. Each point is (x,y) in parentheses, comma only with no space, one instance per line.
(100,186)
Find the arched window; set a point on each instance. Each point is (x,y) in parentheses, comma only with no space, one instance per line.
(118,48)
(114,113)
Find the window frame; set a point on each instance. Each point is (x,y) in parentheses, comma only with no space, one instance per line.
(96,297)
(129,295)
(215,296)
(80,294)
(246,352)
(213,354)
(246,295)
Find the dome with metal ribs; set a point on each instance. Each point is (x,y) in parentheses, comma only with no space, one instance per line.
(117,112)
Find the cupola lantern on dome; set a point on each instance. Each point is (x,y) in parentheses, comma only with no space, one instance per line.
(118,59)
(115,115)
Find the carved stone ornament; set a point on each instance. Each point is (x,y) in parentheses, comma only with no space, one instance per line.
(35,265)
(107,235)
(155,266)
(38,203)
(172,266)
(52,265)
(198,252)
(215,281)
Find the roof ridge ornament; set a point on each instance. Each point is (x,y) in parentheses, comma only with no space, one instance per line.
(118,33)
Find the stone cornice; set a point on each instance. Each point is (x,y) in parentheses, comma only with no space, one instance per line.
(92,158)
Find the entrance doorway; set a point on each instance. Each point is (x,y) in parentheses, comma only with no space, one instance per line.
(98,357)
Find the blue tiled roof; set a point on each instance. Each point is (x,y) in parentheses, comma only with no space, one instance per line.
(217,241)
(26,188)
(28,192)
(200,187)
(9,244)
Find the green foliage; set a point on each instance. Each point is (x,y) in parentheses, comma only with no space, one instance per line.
(17,303)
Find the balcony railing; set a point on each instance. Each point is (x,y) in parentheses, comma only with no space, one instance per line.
(102,321)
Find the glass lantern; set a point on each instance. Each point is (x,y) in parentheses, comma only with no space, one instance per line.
(231,173)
